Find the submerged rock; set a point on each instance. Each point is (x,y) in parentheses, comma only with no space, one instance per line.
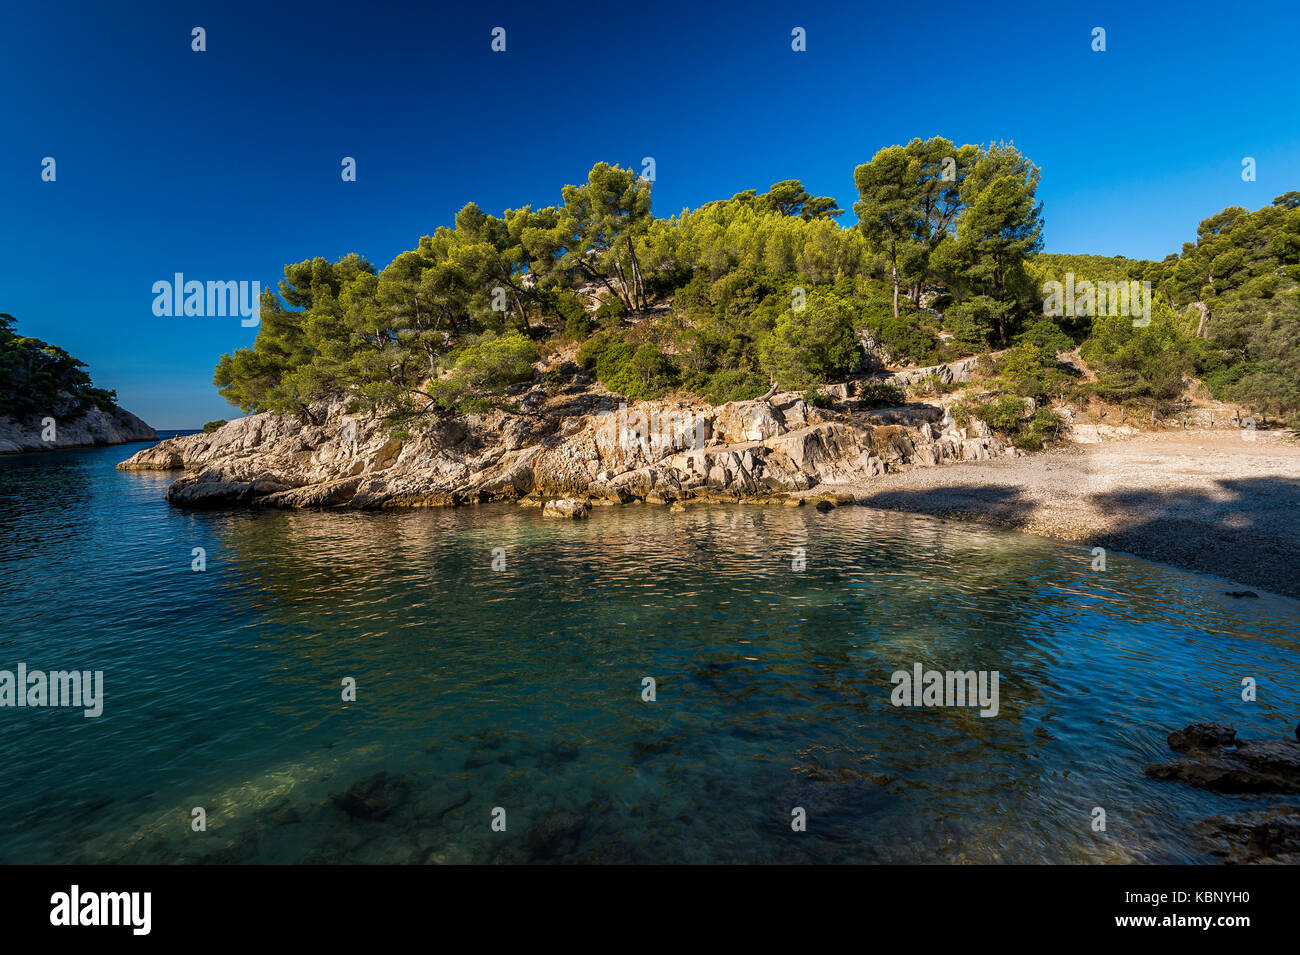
(374,798)
(1217,761)
(1201,736)
(1270,835)
(557,835)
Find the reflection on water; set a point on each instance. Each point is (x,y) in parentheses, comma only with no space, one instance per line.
(521,688)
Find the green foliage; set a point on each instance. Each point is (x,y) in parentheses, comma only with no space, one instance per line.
(1028,371)
(635,372)
(482,367)
(817,399)
(1141,362)
(911,198)
(213,426)
(1047,337)
(910,337)
(881,394)
(1004,413)
(956,227)
(815,345)
(999,228)
(1011,416)
(723,385)
(1239,255)
(567,310)
(611,310)
(790,198)
(39,378)
(973,322)
(599,228)
(1258,361)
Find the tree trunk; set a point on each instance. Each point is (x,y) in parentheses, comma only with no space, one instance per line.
(639,290)
(894,263)
(1205,317)
(519,304)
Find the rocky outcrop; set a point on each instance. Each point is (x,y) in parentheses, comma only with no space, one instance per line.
(1215,759)
(94,427)
(947,374)
(584,446)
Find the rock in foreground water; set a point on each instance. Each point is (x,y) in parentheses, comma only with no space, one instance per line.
(1217,761)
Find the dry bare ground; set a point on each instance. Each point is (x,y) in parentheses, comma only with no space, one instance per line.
(1208,501)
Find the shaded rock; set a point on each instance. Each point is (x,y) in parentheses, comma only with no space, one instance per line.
(1216,763)
(1201,736)
(1212,773)
(1279,758)
(91,428)
(1269,835)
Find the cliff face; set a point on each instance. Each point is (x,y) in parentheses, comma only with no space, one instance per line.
(95,427)
(584,445)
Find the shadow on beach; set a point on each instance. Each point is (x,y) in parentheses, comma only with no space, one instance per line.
(1240,531)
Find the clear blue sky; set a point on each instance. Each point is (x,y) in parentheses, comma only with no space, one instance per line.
(225,164)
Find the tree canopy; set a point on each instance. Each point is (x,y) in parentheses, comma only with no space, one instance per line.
(769,287)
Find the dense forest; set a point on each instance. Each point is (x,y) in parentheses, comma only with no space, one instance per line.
(727,300)
(39,378)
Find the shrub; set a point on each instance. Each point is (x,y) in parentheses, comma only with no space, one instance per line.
(725,385)
(573,315)
(815,345)
(905,338)
(634,372)
(1028,370)
(1010,415)
(213,426)
(483,367)
(817,399)
(881,394)
(578,327)
(1004,413)
(613,308)
(1047,337)
(973,322)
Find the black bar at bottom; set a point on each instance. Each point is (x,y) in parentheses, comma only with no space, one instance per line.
(333,905)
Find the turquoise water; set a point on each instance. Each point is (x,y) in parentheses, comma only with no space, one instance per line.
(520,689)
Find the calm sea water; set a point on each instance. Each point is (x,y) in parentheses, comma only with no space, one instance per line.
(520,689)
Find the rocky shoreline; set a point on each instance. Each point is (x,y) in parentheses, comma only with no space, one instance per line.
(579,444)
(95,428)
(1201,499)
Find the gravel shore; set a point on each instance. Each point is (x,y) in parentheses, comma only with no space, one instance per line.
(1207,501)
